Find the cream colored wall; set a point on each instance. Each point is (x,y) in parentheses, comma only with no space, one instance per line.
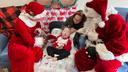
(119,3)
(6,3)
(115,3)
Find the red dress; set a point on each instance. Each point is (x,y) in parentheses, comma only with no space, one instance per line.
(21,51)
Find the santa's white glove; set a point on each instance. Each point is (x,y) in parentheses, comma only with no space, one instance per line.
(103,53)
(39,41)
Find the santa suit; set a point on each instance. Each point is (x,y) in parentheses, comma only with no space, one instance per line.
(114,38)
(115,47)
(22,49)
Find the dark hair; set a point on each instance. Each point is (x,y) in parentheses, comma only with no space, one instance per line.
(81,14)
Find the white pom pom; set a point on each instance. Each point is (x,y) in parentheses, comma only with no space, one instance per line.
(101,24)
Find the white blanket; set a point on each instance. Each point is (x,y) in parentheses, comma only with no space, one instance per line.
(64,65)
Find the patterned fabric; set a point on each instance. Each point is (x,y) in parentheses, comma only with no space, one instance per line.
(56,15)
(7,18)
(9,14)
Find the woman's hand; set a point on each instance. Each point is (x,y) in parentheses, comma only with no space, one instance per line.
(73,30)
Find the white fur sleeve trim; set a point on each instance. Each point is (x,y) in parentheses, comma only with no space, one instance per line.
(56,32)
(123,57)
(43,14)
(104,54)
(38,41)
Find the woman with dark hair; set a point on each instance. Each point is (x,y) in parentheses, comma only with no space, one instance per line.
(75,22)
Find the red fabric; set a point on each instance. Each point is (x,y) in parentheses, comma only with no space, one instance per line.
(114,35)
(100,6)
(34,7)
(84,63)
(67,46)
(21,52)
(107,66)
(115,38)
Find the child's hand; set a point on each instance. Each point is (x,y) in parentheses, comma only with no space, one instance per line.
(60,47)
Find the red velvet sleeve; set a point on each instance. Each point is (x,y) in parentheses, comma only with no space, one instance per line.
(116,35)
(24,33)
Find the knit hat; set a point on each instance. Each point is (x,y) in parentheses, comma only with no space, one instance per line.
(100,6)
(34,7)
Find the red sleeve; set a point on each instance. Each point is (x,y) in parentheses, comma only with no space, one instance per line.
(24,33)
(116,35)
(68,46)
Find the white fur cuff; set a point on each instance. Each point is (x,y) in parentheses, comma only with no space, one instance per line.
(104,54)
(39,41)
(123,57)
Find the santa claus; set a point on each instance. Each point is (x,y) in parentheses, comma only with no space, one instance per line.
(24,47)
(107,44)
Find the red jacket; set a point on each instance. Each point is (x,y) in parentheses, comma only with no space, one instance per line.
(67,45)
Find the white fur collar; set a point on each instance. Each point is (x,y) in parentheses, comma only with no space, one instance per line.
(25,18)
(61,41)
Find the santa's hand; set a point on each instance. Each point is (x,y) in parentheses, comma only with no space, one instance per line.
(103,53)
(38,31)
(91,51)
(39,41)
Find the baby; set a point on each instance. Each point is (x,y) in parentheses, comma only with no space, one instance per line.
(60,49)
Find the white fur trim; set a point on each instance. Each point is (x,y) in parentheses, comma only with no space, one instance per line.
(93,70)
(92,36)
(56,32)
(123,57)
(61,42)
(104,54)
(39,41)
(43,14)
(25,17)
(101,24)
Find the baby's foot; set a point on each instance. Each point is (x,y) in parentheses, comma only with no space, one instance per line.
(54,59)
(49,57)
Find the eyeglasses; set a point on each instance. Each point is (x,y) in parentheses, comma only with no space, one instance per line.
(59,3)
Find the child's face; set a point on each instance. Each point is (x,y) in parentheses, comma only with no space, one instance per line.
(77,19)
(66,33)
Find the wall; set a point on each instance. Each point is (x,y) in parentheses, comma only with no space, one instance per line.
(119,3)
(115,3)
(6,3)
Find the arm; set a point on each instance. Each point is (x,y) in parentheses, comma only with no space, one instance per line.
(23,32)
(73,30)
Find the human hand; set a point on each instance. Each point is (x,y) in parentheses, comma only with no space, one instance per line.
(73,30)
